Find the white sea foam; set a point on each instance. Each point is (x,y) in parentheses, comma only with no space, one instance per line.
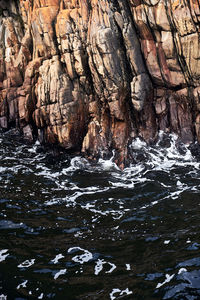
(138,144)
(22,285)
(57,258)
(82,258)
(32,150)
(182,270)
(75,164)
(41,296)
(99,266)
(3,254)
(168,279)
(71,199)
(157,159)
(59,273)
(46,172)
(166,242)
(122,185)
(94,198)
(26,263)
(108,165)
(165,158)
(120,293)
(3,169)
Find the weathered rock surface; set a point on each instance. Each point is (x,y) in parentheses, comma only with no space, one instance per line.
(91,75)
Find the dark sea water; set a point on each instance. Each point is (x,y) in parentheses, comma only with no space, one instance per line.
(71,229)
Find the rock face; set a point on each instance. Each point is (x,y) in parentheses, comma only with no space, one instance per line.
(91,75)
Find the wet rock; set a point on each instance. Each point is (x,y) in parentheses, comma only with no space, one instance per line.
(195,150)
(28,133)
(93,75)
(165,141)
(4,122)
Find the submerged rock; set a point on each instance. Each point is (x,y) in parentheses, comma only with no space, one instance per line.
(92,75)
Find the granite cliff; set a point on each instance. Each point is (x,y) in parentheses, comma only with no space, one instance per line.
(91,75)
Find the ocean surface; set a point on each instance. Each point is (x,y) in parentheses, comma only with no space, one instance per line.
(73,229)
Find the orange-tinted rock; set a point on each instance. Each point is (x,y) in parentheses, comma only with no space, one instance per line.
(93,75)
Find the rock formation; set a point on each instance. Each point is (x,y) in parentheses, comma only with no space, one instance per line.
(91,75)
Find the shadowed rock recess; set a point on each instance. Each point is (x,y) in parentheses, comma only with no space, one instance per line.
(91,75)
